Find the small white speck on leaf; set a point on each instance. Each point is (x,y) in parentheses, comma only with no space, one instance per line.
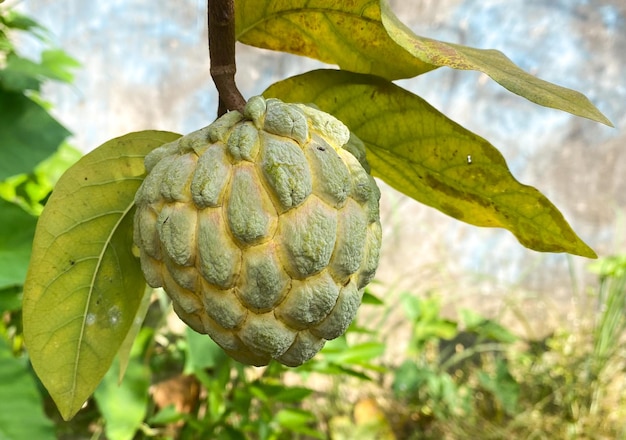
(90,319)
(114,315)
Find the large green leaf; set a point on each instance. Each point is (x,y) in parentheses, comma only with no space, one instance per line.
(364,36)
(419,151)
(493,63)
(348,34)
(21,406)
(28,134)
(17,228)
(84,284)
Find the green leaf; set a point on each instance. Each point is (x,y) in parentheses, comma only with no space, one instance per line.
(58,65)
(84,284)
(420,152)
(166,416)
(493,63)
(486,328)
(503,386)
(15,20)
(11,299)
(202,352)
(611,266)
(24,74)
(274,390)
(348,34)
(358,354)
(21,406)
(17,229)
(297,421)
(28,134)
(408,378)
(370,298)
(124,405)
(20,74)
(292,394)
(30,191)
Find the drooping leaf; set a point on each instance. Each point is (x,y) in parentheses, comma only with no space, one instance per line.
(493,63)
(17,228)
(365,36)
(84,284)
(28,134)
(420,152)
(21,406)
(348,34)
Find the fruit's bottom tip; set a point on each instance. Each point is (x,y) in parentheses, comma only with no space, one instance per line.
(262,361)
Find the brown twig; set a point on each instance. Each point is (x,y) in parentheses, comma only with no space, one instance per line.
(221,20)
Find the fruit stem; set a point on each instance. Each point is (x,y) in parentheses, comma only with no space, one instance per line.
(221,21)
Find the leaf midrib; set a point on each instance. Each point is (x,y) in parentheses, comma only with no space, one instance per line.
(91,290)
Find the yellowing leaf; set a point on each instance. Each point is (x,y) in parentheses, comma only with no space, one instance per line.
(365,36)
(419,151)
(349,34)
(84,284)
(493,63)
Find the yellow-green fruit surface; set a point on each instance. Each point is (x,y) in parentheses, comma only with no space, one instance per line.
(263,228)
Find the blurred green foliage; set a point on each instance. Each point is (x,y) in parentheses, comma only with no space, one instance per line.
(30,162)
(473,378)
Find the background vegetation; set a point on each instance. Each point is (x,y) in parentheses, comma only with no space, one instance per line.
(455,375)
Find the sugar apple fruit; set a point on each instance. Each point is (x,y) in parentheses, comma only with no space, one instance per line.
(263,228)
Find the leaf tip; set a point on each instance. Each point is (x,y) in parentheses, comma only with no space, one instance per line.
(587,252)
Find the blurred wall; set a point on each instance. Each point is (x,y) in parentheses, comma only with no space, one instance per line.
(145,65)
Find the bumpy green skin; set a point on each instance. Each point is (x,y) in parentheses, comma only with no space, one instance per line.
(263,228)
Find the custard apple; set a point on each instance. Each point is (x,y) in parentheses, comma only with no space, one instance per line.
(263,228)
